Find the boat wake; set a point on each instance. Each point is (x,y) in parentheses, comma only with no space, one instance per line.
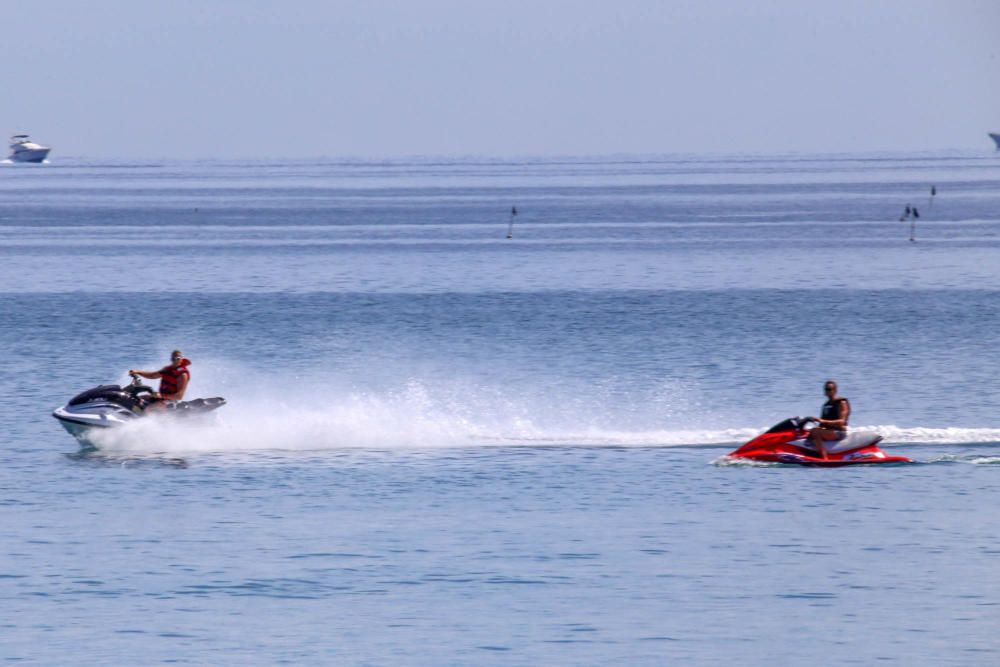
(324,413)
(974,459)
(416,418)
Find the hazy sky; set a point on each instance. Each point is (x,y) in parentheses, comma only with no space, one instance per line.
(304,78)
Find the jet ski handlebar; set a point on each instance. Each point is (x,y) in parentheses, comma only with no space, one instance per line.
(136,387)
(801,422)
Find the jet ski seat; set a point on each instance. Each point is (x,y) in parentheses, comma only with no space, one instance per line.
(852,440)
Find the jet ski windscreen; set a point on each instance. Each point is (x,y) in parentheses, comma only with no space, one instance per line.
(106,392)
(791,424)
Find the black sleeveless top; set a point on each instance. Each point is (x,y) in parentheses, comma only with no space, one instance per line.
(831,410)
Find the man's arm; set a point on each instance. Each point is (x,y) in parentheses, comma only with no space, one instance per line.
(149,375)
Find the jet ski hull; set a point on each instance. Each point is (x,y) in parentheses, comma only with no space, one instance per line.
(75,428)
(803,458)
(83,420)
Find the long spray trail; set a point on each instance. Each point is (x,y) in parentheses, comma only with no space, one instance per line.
(427,415)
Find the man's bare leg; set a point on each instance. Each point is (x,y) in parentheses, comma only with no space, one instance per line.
(820,435)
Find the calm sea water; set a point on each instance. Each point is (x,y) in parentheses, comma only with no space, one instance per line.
(446,447)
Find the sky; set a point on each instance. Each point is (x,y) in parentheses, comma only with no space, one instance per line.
(373,78)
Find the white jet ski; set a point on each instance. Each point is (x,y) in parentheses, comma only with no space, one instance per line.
(109,406)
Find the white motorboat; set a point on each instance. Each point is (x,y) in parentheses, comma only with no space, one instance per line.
(23,149)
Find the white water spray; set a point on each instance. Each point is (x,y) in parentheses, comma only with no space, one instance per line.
(292,414)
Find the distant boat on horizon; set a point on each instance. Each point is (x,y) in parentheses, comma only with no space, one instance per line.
(996,138)
(23,149)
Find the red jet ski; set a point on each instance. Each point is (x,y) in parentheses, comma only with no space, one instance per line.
(788,442)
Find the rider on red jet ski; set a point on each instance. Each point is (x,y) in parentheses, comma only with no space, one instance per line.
(832,424)
(827,445)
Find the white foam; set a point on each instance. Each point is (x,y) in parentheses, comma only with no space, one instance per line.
(412,420)
(318,422)
(320,414)
(935,436)
(972,459)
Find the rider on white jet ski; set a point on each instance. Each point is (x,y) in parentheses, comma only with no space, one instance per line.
(174,380)
(832,424)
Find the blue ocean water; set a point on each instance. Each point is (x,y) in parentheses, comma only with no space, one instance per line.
(443,446)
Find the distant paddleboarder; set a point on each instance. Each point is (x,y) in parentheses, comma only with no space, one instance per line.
(912,214)
(913,225)
(510,227)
